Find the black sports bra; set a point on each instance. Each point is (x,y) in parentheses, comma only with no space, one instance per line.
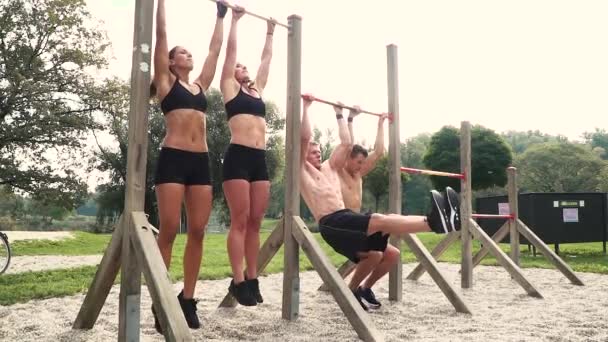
(244,103)
(181,98)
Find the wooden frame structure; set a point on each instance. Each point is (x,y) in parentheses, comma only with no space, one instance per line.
(133,248)
(514,226)
(415,245)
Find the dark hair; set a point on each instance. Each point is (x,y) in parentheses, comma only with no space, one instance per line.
(358,149)
(171,56)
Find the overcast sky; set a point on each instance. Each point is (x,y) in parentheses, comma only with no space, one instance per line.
(507,65)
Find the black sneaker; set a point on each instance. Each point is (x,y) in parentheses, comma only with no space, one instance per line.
(254,288)
(452,204)
(369,296)
(437,218)
(157,326)
(358,296)
(189,309)
(241,293)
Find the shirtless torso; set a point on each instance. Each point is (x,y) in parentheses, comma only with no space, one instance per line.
(321,189)
(352,189)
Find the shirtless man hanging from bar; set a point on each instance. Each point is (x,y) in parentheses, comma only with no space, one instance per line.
(346,231)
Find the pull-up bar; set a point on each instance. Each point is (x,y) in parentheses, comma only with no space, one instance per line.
(432,173)
(252,14)
(492,216)
(314,98)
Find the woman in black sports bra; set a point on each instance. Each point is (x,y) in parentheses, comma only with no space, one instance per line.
(245,177)
(183,163)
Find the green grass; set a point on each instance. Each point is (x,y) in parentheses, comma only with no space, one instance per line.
(14,288)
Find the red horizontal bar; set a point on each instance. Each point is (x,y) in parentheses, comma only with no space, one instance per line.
(314,98)
(488,216)
(432,173)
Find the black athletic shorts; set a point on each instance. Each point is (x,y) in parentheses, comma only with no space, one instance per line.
(242,162)
(346,232)
(182,167)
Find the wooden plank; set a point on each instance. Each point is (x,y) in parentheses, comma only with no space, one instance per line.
(347,268)
(129,302)
(497,237)
(268,250)
(504,260)
(291,271)
(560,264)
(395,276)
(466,197)
(158,280)
(514,208)
(437,252)
(429,263)
(355,314)
(102,282)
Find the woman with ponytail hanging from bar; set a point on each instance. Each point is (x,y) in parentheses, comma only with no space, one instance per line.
(245,176)
(183,163)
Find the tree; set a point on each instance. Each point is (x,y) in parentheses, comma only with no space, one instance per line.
(11,204)
(598,141)
(46,99)
(490,157)
(560,167)
(415,197)
(113,159)
(521,141)
(47,212)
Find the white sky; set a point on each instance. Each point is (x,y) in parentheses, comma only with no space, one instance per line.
(508,65)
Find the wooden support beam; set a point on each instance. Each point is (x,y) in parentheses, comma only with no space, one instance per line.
(158,280)
(548,253)
(514,208)
(497,237)
(102,282)
(504,260)
(429,263)
(355,314)
(347,268)
(437,252)
(268,250)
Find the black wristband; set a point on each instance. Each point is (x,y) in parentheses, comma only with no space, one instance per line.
(350,119)
(339,116)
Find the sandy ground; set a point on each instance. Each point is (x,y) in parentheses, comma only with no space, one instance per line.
(501,312)
(34,235)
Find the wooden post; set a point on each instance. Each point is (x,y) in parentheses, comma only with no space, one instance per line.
(395,287)
(291,280)
(514,209)
(500,234)
(466,280)
(437,252)
(130,288)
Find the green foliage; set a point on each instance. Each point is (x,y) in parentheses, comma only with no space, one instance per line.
(490,157)
(598,140)
(47,95)
(521,141)
(560,167)
(415,196)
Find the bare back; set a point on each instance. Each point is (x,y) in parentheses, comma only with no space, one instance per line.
(320,189)
(352,189)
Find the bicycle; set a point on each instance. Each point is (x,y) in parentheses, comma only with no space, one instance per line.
(5,252)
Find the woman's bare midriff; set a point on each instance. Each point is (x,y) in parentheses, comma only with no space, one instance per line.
(186,130)
(248,130)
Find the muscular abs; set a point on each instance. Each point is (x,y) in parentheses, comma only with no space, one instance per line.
(186,130)
(321,190)
(352,190)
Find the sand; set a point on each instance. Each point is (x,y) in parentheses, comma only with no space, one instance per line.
(501,312)
(36,235)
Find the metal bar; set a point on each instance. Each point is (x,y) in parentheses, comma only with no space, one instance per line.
(492,216)
(432,173)
(314,98)
(253,14)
